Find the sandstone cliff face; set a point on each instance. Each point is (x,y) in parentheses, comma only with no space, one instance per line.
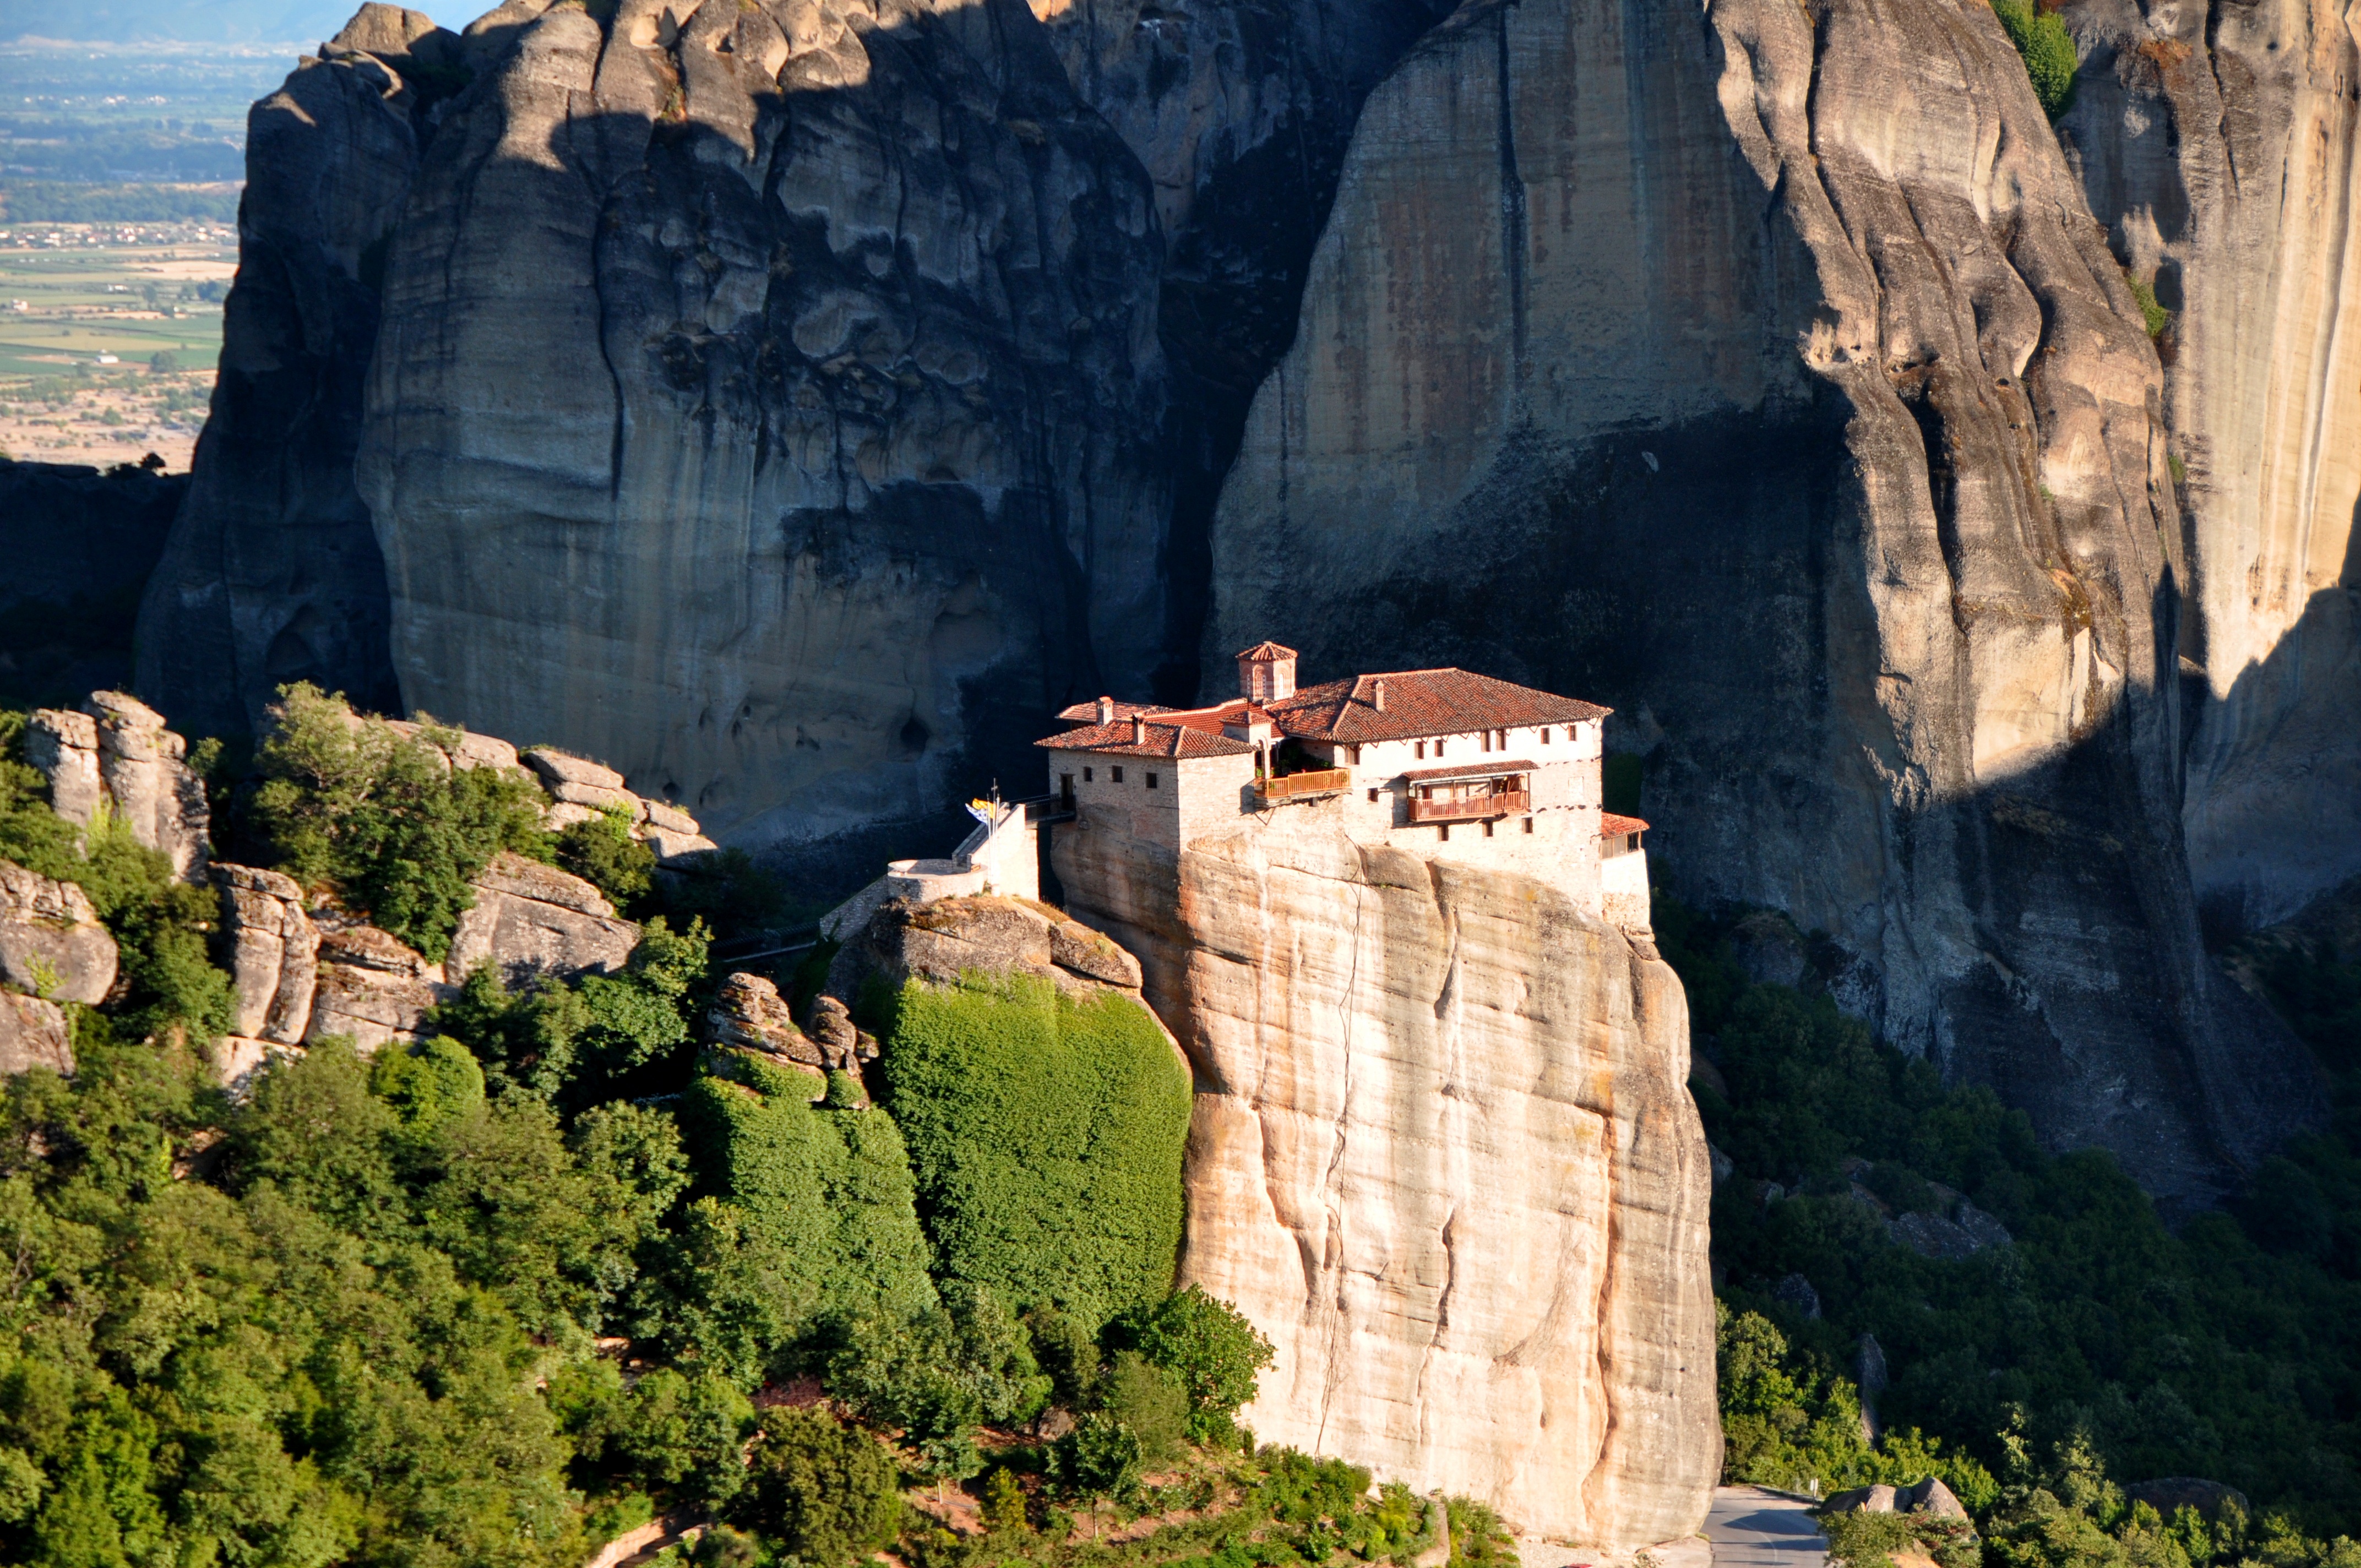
(2218,144)
(272,573)
(1443,1155)
(115,756)
(769,404)
(1768,379)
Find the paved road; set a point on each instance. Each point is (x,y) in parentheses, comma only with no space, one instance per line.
(1754,1529)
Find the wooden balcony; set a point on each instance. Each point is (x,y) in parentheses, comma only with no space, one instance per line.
(1472,808)
(1302,787)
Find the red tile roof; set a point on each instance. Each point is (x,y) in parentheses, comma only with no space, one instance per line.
(1613,827)
(1168,740)
(1421,703)
(1088,712)
(1266,651)
(1468,771)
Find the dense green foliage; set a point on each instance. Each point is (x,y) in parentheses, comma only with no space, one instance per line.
(2099,1343)
(2153,315)
(1211,1353)
(385,817)
(2041,36)
(602,852)
(1045,1135)
(824,1491)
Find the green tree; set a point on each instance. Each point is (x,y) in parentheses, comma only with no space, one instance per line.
(2048,49)
(824,1491)
(1212,1351)
(602,852)
(386,818)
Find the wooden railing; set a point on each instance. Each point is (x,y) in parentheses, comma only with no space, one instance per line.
(1295,786)
(1471,807)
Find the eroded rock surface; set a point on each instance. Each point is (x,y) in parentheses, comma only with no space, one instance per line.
(272,573)
(2222,147)
(116,752)
(274,953)
(1770,381)
(372,988)
(796,316)
(33,1034)
(1443,1155)
(530,919)
(51,943)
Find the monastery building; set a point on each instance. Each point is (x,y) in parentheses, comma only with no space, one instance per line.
(1443,763)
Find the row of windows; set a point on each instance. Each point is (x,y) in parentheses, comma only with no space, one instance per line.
(1115,776)
(1485,740)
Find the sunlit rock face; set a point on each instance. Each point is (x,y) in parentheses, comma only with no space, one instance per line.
(1770,380)
(2219,147)
(769,405)
(1443,1156)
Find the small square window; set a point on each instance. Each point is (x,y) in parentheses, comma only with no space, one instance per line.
(1116,775)
(1442,830)
(1528,824)
(1087,775)
(1373,795)
(1544,735)
(1438,748)
(1422,750)
(1488,829)
(1151,781)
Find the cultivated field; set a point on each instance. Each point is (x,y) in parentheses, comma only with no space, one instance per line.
(108,336)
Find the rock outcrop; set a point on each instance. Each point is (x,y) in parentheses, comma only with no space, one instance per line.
(1770,381)
(274,952)
(748,1013)
(530,919)
(1442,1154)
(981,934)
(274,573)
(51,943)
(33,1034)
(2222,147)
(116,752)
(781,318)
(372,988)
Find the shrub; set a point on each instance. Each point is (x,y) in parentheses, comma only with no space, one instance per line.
(1478,1539)
(1212,1354)
(602,852)
(825,1492)
(1046,1136)
(2041,37)
(384,818)
(811,1216)
(1149,1400)
(2153,315)
(1864,1540)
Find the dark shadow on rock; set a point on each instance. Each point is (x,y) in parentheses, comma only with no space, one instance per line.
(79,546)
(2040,935)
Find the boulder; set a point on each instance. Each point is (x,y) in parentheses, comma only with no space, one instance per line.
(564,814)
(939,941)
(140,763)
(117,752)
(748,1012)
(597,797)
(372,988)
(274,952)
(1075,946)
(829,1024)
(33,1034)
(50,942)
(532,919)
(669,818)
(236,1058)
(1794,1290)
(64,747)
(558,768)
(2170,1494)
(1931,1497)
(671,846)
(1877,1499)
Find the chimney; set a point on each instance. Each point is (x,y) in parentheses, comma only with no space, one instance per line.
(1377,693)
(1107,710)
(1138,730)
(1266,673)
